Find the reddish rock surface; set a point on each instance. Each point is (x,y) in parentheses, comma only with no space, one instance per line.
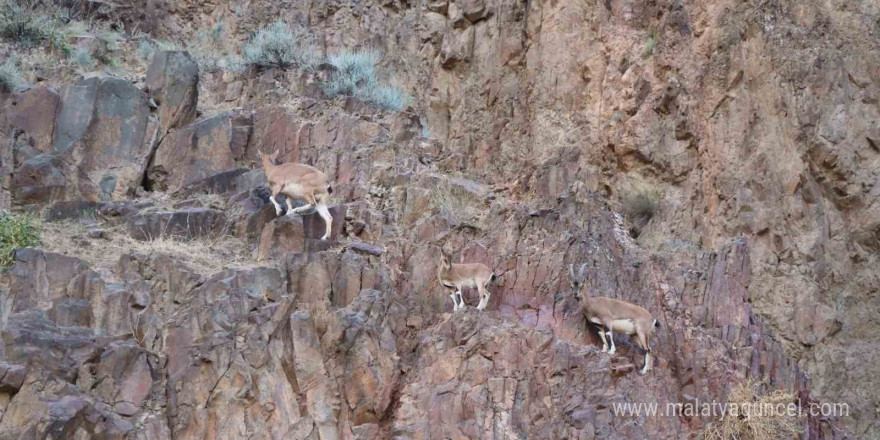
(752,124)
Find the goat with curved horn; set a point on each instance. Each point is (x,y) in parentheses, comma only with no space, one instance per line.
(612,314)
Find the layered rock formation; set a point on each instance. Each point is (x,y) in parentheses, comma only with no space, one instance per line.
(753,120)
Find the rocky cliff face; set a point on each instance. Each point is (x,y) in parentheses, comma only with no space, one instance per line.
(755,121)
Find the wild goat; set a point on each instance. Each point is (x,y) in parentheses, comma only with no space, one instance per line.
(617,315)
(299,181)
(460,276)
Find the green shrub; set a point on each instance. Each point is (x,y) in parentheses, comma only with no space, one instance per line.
(354,70)
(60,35)
(145,49)
(10,76)
(82,57)
(111,38)
(24,25)
(277,45)
(650,45)
(166,45)
(233,63)
(356,76)
(16,231)
(387,97)
(218,31)
(207,49)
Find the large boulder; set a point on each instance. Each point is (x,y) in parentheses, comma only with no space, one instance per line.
(90,142)
(105,134)
(186,224)
(284,234)
(173,84)
(28,113)
(200,150)
(38,279)
(278,128)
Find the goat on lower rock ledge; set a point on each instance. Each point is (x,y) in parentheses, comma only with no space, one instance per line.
(612,314)
(461,276)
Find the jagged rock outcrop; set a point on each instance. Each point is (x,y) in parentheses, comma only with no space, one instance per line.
(91,141)
(172,83)
(752,122)
(750,119)
(200,150)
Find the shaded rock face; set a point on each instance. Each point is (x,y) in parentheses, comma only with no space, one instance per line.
(91,141)
(750,120)
(199,150)
(185,224)
(754,122)
(172,83)
(332,344)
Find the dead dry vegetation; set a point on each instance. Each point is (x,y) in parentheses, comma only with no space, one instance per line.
(458,206)
(203,255)
(752,418)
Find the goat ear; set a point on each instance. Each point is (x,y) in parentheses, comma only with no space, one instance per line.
(275,154)
(581,272)
(571,279)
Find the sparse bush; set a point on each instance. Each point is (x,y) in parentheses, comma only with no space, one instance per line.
(388,97)
(650,45)
(232,63)
(82,57)
(166,45)
(207,50)
(112,63)
(749,417)
(355,75)
(217,32)
(354,70)
(639,207)
(23,25)
(145,49)
(10,76)
(61,34)
(16,231)
(277,45)
(457,206)
(111,38)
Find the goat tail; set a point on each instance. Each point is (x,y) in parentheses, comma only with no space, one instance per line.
(329,189)
(656,323)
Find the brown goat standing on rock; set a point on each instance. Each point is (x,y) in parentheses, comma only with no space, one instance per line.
(299,181)
(613,314)
(461,276)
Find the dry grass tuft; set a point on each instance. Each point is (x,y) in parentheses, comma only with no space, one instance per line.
(204,255)
(639,207)
(458,206)
(752,418)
